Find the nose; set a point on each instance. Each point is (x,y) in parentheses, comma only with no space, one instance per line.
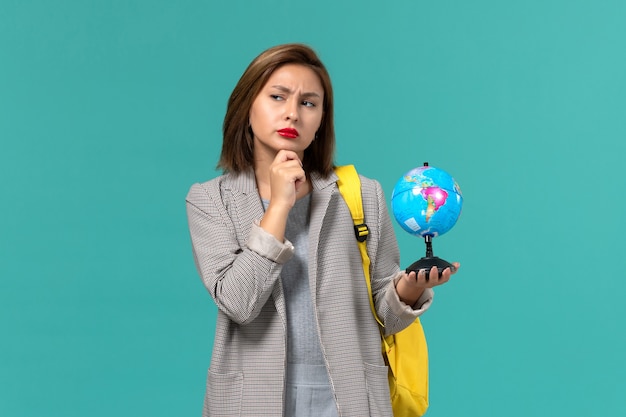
(291,111)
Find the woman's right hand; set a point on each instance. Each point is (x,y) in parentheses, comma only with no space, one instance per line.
(287,177)
(287,181)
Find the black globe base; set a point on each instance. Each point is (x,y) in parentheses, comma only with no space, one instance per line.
(428,262)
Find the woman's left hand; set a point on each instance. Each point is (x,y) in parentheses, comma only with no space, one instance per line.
(411,286)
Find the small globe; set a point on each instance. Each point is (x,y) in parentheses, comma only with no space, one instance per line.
(426,201)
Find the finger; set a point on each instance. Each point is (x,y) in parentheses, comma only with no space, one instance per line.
(433,275)
(285,155)
(445,275)
(421,277)
(288,165)
(289,170)
(300,180)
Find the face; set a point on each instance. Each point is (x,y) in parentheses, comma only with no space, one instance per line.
(287,112)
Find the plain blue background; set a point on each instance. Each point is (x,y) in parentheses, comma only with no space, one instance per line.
(110,110)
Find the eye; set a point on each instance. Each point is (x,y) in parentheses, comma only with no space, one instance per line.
(276,97)
(307,103)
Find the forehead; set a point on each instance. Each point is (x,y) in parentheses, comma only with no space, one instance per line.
(296,77)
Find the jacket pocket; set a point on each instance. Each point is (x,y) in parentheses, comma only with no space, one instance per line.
(223,394)
(378,390)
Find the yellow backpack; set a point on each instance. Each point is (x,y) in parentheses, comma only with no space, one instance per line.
(405,352)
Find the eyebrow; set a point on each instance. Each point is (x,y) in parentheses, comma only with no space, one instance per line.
(288,90)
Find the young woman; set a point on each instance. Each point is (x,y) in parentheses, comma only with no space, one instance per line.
(274,244)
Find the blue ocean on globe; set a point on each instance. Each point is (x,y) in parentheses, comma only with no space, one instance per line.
(426,201)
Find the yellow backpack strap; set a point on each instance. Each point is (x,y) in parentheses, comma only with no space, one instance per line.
(349,186)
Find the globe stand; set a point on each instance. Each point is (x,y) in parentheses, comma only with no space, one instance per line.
(428,261)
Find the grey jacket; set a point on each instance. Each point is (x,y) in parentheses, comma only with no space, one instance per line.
(240,266)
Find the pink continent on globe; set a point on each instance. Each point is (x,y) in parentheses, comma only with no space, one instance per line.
(436,194)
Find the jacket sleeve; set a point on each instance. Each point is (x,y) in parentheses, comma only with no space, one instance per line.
(394,314)
(240,278)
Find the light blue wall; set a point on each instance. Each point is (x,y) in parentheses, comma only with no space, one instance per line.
(110,110)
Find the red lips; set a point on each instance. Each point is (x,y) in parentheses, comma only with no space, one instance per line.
(288,132)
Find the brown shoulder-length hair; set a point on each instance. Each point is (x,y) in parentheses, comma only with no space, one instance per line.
(238,142)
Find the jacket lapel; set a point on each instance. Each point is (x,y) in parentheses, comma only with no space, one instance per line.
(323,190)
